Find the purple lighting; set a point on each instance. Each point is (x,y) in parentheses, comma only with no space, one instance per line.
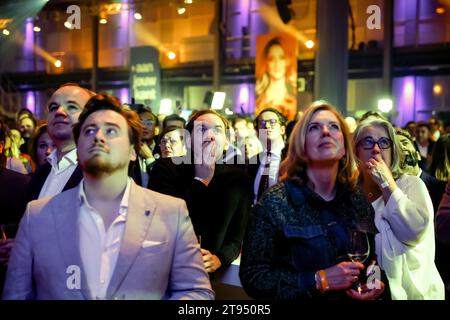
(31,101)
(28,45)
(124,95)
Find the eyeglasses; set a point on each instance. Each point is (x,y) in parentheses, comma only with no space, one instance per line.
(166,141)
(368,143)
(271,122)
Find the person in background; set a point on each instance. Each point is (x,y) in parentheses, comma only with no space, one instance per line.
(252,146)
(172,142)
(12,190)
(120,241)
(424,144)
(440,159)
(443,237)
(296,242)
(405,244)
(27,126)
(174,120)
(410,166)
(61,172)
(436,128)
(15,161)
(41,146)
(412,129)
(218,195)
(149,150)
(263,169)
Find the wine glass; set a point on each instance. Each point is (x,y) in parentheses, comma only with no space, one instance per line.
(358,250)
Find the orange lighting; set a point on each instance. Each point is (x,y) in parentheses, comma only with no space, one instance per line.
(181,10)
(437,89)
(103,21)
(58,63)
(309,44)
(171,55)
(440,10)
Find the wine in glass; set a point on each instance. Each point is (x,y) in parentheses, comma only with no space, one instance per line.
(358,250)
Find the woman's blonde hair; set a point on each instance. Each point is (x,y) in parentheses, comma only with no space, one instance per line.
(294,167)
(397,155)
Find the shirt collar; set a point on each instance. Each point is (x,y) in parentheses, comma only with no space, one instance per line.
(67,160)
(123,203)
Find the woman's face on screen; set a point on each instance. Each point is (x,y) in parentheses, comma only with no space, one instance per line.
(276,60)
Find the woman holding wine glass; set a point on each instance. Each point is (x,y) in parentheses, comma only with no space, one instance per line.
(296,241)
(405,243)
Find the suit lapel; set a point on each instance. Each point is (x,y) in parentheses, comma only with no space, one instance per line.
(38,181)
(66,214)
(74,179)
(140,214)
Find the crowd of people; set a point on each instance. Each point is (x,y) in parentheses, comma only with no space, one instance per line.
(112,202)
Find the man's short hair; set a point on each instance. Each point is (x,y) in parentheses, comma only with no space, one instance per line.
(404,133)
(199,113)
(281,118)
(107,102)
(423,124)
(74,84)
(143,110)
(173,117)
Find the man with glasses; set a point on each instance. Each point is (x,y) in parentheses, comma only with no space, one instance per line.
(263,168)
(61,172)
(140,169)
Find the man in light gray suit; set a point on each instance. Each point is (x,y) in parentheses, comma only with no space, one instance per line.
(108,238)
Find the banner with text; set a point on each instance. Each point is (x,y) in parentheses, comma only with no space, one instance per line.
(145,77)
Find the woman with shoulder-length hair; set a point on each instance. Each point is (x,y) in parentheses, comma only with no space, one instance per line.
(405,243)
(296,241)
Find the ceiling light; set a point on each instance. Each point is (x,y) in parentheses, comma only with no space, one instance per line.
(36,29)
(58,63)
(171,55)
(309,44)
(137,16)
(6,32)
(181,10)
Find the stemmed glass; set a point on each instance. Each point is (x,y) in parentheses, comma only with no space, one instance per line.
(358,250)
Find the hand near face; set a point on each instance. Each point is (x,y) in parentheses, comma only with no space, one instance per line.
(379,171)
(210,261)
(145,151)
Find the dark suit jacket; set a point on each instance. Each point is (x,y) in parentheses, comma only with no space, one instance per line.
(41,174)
(435,187)
(12,202)
(12,191)
(443,238)
(219,212)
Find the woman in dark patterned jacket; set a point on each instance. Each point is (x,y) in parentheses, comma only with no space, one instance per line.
(295,246)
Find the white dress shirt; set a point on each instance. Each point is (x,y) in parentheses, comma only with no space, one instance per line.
(275,159)
(405,243)
(99,248)
(59,174)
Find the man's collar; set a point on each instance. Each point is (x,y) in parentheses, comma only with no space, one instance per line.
(124,203)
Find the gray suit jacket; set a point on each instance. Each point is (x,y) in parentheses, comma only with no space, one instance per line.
(159,255)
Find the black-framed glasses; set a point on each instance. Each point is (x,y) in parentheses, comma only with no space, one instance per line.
(271,122)
(368,143)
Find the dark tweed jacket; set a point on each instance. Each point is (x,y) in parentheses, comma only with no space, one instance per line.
(287,240)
